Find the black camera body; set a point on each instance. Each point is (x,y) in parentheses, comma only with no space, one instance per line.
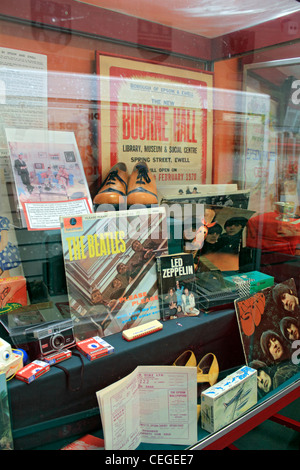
(50,337)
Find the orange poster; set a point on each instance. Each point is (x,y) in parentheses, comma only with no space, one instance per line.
(156,114)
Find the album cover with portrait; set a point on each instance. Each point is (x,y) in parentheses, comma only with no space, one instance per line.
(110,265)
(215,234)
(176,285)
(270,332)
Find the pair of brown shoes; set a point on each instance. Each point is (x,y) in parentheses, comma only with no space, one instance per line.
(120,188)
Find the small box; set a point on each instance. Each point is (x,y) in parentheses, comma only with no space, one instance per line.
(13,293)
(13,364)
(57,357)
(94,347)
(228,399)
(254,281)
(32,371)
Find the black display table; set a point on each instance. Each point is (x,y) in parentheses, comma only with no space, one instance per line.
(63,402)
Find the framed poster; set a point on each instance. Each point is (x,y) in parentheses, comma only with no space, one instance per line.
(158,114)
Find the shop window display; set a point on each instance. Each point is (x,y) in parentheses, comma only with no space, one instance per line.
(149,219)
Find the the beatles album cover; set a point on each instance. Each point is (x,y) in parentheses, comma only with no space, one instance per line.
(110,264)
(269,327)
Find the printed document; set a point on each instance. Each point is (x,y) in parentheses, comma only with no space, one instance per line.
(151,405)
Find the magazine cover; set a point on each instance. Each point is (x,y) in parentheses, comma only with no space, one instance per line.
(269,327)
(176,278)
(49,177)
(6,440)
(110,265)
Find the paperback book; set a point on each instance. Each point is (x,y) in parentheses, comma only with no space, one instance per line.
(110,266)
(269,327)
(176,280)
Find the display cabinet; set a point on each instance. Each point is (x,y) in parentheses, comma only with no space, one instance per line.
(130,134)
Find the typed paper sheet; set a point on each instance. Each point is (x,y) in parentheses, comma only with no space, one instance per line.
(151,405)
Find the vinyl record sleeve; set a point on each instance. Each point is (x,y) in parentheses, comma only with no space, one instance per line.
(269,327)
(110,264)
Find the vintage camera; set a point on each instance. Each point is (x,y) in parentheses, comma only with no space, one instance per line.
(50,337)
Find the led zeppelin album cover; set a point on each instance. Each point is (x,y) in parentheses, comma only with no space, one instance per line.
(110,264)
(176,281)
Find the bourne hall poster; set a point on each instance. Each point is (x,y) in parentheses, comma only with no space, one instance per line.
(156,114)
